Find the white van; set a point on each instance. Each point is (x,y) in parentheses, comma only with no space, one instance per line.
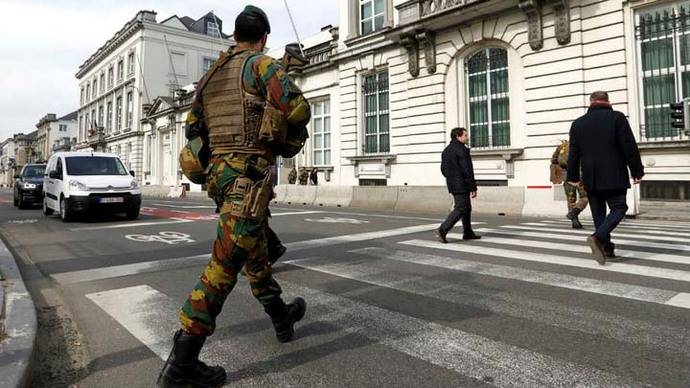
(89,182)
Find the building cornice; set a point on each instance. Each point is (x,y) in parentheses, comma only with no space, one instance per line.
(113,43)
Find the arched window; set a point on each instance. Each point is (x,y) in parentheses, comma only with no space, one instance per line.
(488,99)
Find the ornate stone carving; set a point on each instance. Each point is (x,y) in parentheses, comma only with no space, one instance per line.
(535,33)
(412,47)
(562,19)
(428,40)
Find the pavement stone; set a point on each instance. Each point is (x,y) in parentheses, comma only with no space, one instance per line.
(20,325)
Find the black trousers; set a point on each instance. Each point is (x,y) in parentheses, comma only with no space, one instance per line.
(461,211)
(605,224)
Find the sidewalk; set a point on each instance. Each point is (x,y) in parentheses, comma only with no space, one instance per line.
(17,324)
(668,211)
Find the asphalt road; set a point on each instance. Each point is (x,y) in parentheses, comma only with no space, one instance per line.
(388,305)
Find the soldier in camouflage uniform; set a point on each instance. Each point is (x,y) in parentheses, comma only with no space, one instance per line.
(559,159)
(292,177)
(229,110)
(303,176)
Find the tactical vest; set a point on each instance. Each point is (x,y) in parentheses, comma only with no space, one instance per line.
(233,116)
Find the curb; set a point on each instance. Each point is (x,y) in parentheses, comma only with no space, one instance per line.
(16,351)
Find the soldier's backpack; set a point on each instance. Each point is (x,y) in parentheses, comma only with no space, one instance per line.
(563,154)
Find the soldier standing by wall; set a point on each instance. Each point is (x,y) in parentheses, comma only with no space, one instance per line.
(559,165)
(230,110)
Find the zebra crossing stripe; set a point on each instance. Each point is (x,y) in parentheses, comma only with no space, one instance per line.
(630,269)
(604,287)
(466,353)
(588,232)
(563,226)
(622,253)
(378,273)
(628,224)
(581,239)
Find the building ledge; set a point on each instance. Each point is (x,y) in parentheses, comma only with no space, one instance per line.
(665,145)
(368,37)
(383,158)
(504,153)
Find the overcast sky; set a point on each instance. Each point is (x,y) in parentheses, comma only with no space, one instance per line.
(42,44)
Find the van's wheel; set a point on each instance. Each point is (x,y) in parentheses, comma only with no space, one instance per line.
(133,213)
(65,211)
(46,210)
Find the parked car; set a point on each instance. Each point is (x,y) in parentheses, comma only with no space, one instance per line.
(89,183)
(28,185)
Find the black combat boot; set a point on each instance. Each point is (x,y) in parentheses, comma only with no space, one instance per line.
(285,316)
(572,216)
(183,368)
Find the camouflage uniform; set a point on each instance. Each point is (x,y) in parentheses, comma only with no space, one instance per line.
(239,241)
(292,177)
(303,177)
(571,192)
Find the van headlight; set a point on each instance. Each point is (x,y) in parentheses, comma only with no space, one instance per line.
(134,184)
(28,186)
(75,184)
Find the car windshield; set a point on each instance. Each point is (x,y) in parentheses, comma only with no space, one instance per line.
(94,165)
(34,171)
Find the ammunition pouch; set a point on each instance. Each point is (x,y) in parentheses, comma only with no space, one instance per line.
(255,197)
(273,129)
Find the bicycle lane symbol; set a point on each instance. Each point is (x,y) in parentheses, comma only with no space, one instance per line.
(171,238)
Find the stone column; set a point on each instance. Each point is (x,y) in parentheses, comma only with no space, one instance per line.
(353,18)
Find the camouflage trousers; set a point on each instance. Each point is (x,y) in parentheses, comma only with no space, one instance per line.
(240,242)
(571,194)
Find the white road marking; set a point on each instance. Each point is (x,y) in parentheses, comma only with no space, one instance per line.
(631,269)
(622,253)
(379,273)
(581,239)
(669,225)
(596,286)
(338,220)
(619,229)
(170,264)
(390,216)
(171,238)
(328,241)
(146,313)
(115,271)
(587,233)
(295,213)
(131,225)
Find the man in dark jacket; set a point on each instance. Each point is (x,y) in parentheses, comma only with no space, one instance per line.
(603,141)
(456,166)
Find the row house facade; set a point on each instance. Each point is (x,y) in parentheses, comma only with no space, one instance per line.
(142,61)
(396,76)
(55,134)
(7,162)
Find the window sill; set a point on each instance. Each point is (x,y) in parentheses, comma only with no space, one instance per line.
(364,38)
(664,144)
(383,158)
(505,153)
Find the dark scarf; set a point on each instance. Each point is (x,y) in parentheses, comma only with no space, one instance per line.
(600,105)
